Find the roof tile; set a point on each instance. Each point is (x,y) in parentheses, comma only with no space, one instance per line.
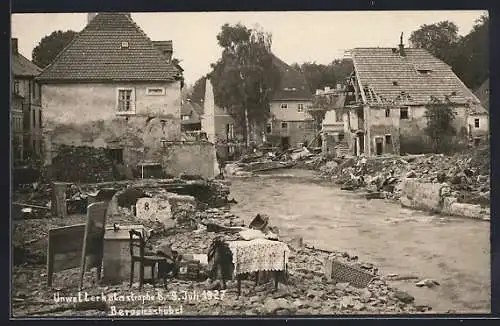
(96,53)
(388,74)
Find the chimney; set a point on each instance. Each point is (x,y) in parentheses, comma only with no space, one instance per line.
(91,16)
(401,46)
(14,49)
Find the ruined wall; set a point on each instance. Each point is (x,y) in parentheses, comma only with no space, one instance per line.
(382,126)
(435,197)
(85,115)
(412,136)
(426,196)
(298,131)
(194,158)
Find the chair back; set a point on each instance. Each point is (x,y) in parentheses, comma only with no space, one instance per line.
(137,244)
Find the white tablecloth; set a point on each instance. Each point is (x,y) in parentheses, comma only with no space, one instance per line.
(259,255)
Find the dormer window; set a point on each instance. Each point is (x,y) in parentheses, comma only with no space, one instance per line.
(424,71)
(125,45)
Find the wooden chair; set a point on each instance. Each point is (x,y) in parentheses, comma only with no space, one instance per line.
(145,259)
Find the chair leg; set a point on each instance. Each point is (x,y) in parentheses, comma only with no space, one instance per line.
(131,273)
(141,275)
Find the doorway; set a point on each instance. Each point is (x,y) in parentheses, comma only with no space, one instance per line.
(285,143)
(379,146)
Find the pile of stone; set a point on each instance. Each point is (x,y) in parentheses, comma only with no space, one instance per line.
(81,164)
(218,192)
(467,173)
(307,292)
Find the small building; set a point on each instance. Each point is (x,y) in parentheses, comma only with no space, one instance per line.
(26,108)
(190,116)
(219,125)
(290,123)
(387,96)
(113,87)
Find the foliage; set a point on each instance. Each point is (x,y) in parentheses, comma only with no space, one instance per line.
(440,116)
(50,46)
(318,75)
(468,56)
(440,39)
(244,77)
(197,92)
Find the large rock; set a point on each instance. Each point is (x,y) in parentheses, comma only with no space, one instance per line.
(419,195)
(155,209)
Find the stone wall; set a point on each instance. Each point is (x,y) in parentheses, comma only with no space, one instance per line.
(426,196)
(413,140)
(86,115)
(434,197)
(192,158)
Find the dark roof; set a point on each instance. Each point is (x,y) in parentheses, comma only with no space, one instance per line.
(96,53)
(165,46)
(386,75)
(483,94)
(293,84)
(22,67)
(194,110)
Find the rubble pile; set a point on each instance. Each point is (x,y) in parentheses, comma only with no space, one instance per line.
(92,165)
(307,292)
(468,173)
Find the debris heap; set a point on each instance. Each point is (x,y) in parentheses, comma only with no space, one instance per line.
(81,164)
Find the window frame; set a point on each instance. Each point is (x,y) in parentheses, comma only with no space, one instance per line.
(476,122)
(150,89)
(284,125)
(132,108)
(284,106)
(407,109)
(388,139)
(300,107)
(387,113)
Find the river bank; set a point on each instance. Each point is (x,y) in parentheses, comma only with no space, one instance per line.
(413,244)
(465,175)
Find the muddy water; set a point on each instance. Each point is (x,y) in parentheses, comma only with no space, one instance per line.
(455,252)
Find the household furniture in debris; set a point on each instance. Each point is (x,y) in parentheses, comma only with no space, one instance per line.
(116,260)
(93,240)
(139,255)
(246,257)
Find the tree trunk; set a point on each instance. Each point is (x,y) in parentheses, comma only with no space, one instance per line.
(247,129)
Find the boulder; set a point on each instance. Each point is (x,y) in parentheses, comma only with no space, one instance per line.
(155,209)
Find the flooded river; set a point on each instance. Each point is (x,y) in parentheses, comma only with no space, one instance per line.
(453,251)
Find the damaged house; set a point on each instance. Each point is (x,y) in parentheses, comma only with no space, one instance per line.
(386,100)
(290,123)
(113,87)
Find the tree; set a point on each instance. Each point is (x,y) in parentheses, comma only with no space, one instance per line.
(472,60)
(440,116)
(440,39)
(197,93)
(468,56)
(318,75)
(245,77)
(50,46)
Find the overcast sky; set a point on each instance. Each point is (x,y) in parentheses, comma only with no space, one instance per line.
(320,36)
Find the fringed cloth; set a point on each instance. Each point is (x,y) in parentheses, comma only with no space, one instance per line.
(259,255)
